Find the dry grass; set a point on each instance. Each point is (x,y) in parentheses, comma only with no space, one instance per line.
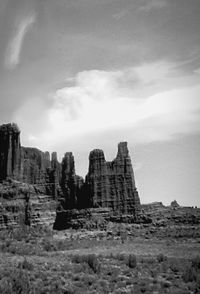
(40,261)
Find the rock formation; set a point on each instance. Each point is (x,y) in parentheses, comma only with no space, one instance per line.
(68,181)
(28,165)
(112,184)
(10,151)
(22,203)
(174,204)
(107,185)
(41,176)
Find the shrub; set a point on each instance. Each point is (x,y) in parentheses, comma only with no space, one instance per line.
(90,259)
(189,275)
(192,272)
(48,245)
(174,266)
(161,257)
(196,262)
(132,261)
(17,282)
(26,265)
(121,256)
(76,258)
(6,245)
(93,262)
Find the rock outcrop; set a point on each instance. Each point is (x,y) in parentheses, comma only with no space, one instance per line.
(38,169)
(109,191)
(68,181)
(112,184)
(24,204)
(107,185)
(10,151)
(161,215)
(33,168)
(174,204)
(28,165)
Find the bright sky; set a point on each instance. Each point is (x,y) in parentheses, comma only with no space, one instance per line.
(82,74)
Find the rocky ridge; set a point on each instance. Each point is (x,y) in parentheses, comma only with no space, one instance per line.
(108,185)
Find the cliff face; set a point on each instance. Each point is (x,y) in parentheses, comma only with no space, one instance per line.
(68,181)
(28,165)
(37,168)
(107,185)
(10,151)
(112,184)
(30,181)
(22,203)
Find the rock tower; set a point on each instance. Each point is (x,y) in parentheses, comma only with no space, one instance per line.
(112,184)
(108,185)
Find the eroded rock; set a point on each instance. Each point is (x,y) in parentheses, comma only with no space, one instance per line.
(108,184)
(112,184)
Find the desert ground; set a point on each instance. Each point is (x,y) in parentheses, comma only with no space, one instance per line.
(121,258)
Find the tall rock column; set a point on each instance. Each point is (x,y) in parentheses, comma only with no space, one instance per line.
(97,184)
(55,175)
(127,196)
(112,184)
(68,181)
(10,151)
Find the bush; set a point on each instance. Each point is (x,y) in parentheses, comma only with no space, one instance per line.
(132,261)
(90,259)
(48,245)
(121,256)
(93,262)
(161,257)
(174,266)
(76,258)
(196,262)
(26,265)
(17,282)
(192,272)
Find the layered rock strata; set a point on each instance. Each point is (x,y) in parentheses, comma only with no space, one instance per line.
(24,204)
(10,151)
(112,184)
(107,185)
(28,165)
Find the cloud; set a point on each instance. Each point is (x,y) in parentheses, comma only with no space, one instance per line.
(150,4)
(14,47)
(153,4)
(107,106)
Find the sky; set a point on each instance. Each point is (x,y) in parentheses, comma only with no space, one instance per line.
(82,74)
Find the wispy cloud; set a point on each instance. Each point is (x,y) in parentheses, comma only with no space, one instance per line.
(148,6)
(153,4)
(13,51)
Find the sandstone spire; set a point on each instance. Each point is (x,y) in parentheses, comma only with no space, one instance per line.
(10,151)
(112,184)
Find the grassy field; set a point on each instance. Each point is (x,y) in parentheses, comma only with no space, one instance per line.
(113,261)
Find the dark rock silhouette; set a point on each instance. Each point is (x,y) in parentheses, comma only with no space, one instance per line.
(112,184)
(174,204)
(109,188)
(10,151)
(107,185)
(68,181)
(28,165)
